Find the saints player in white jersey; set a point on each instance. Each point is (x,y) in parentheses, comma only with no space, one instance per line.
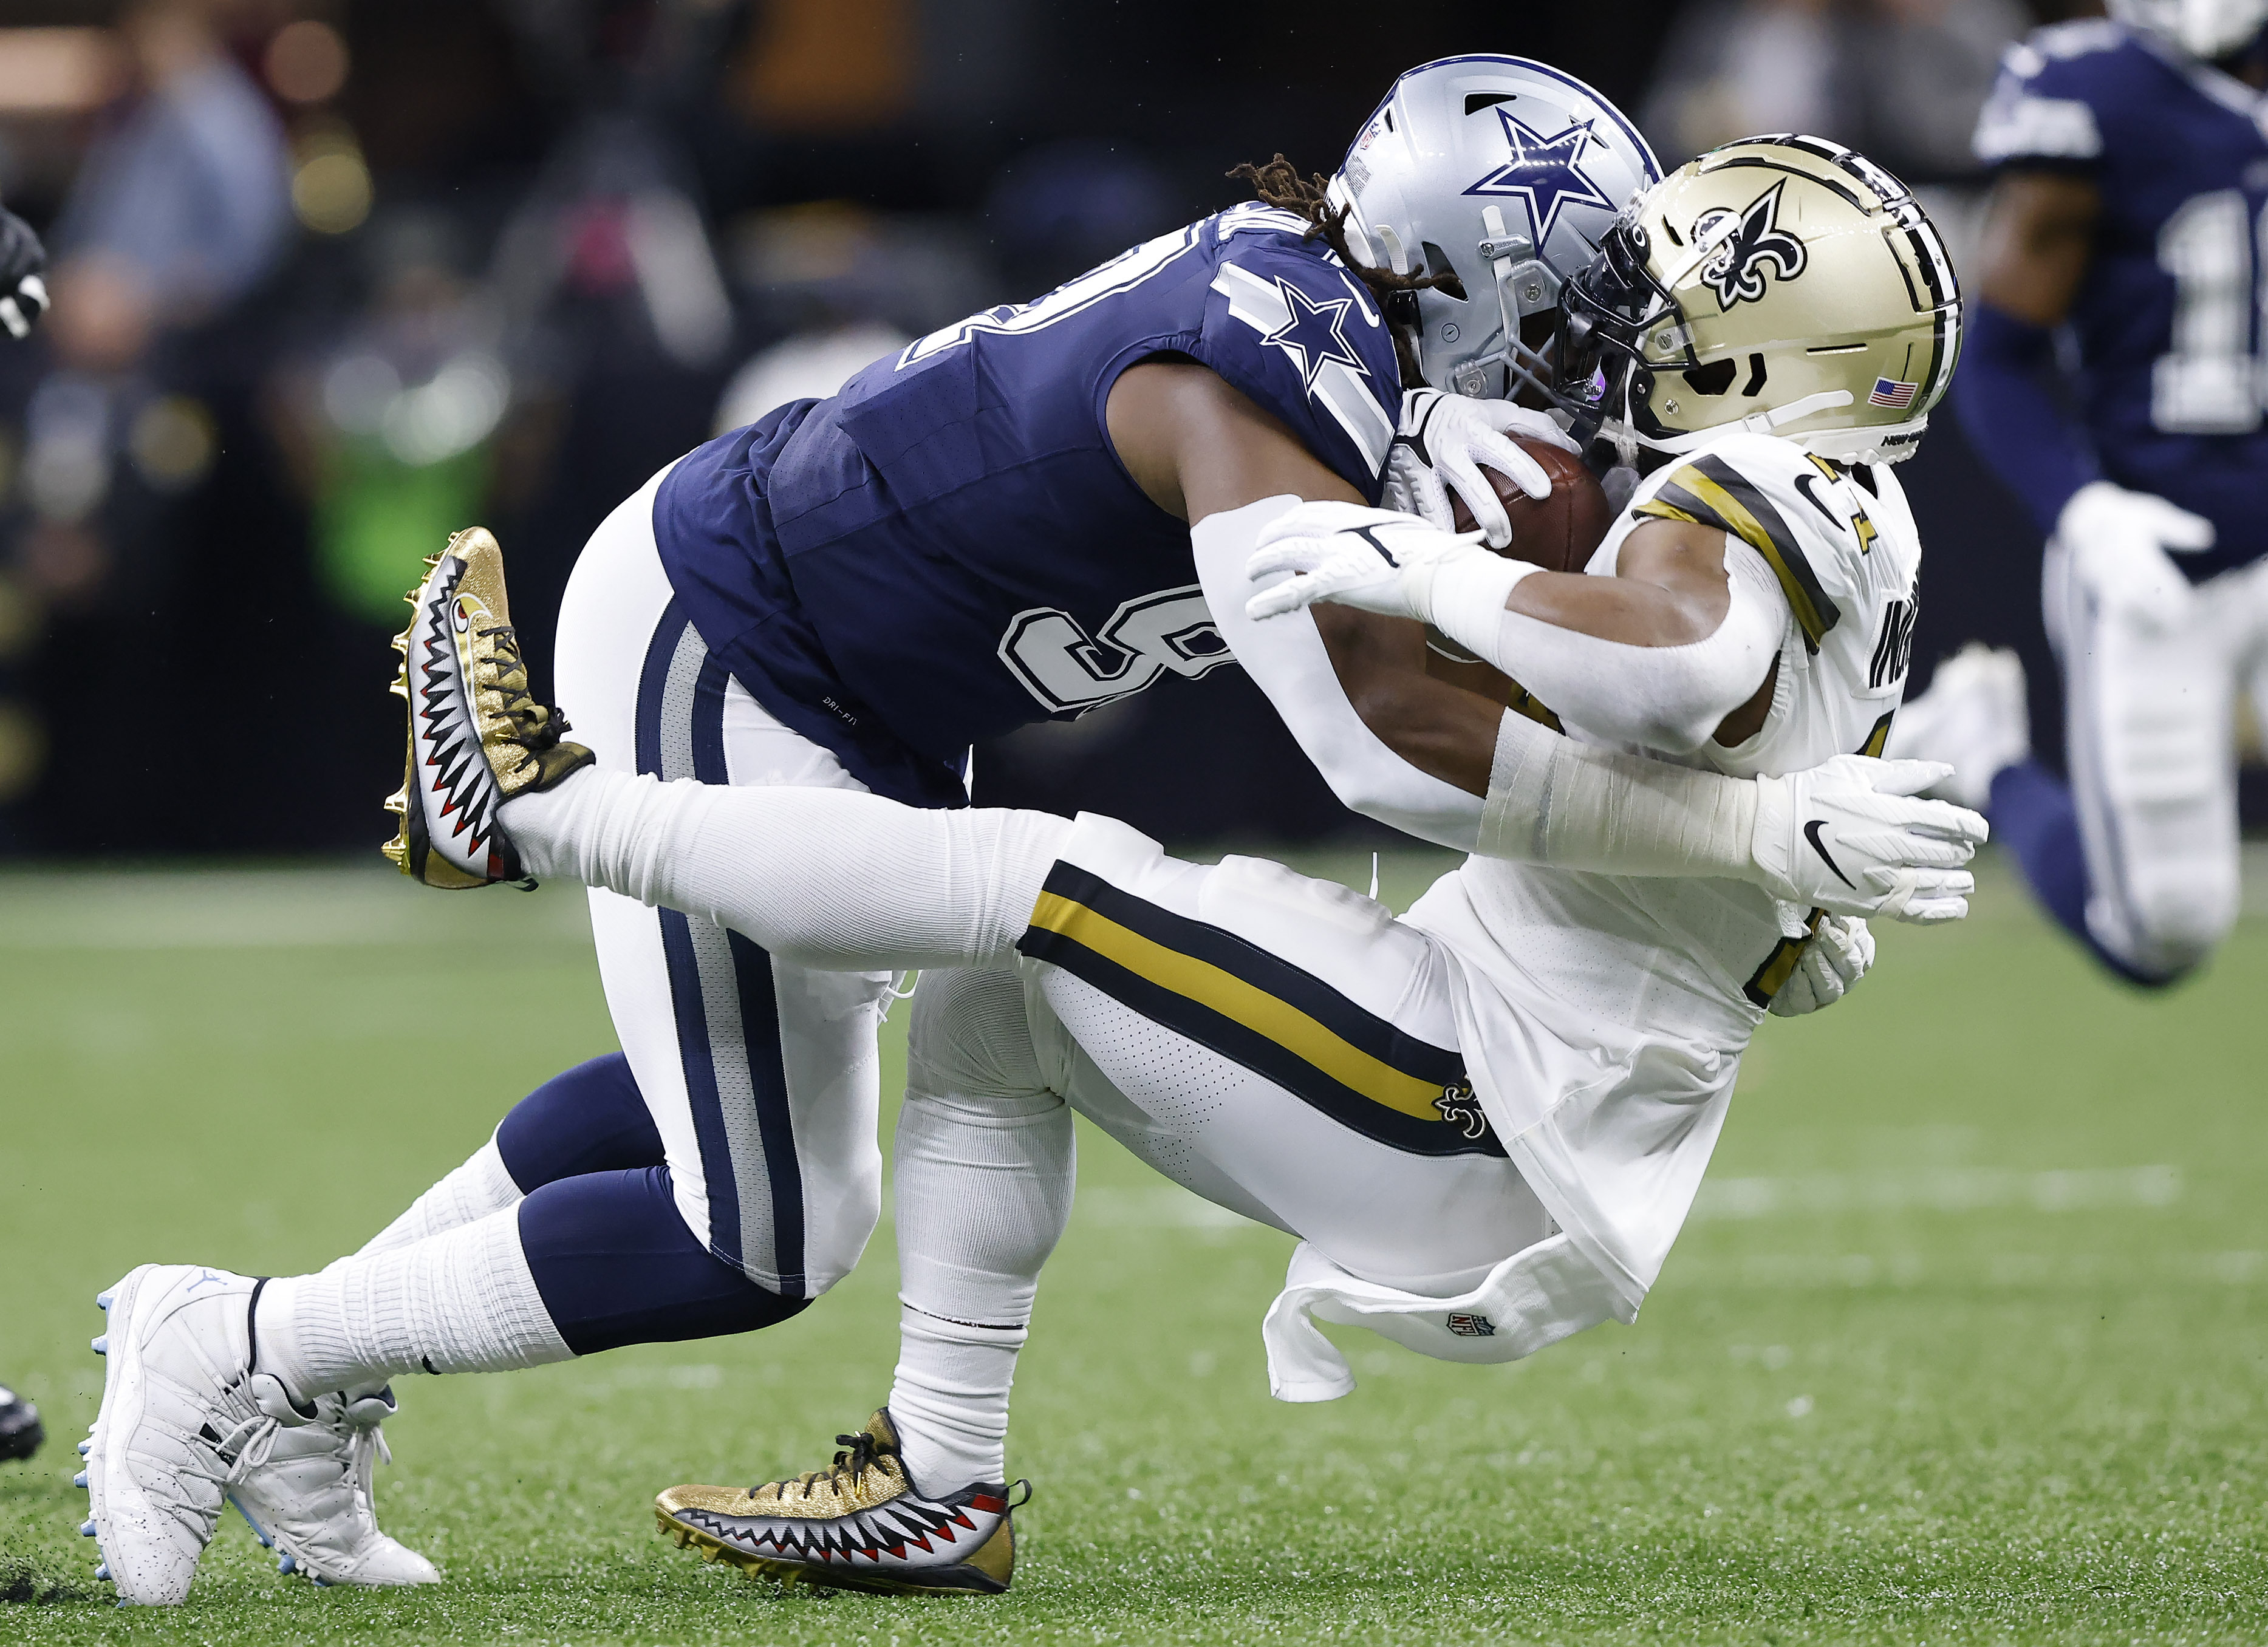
(1540,1055)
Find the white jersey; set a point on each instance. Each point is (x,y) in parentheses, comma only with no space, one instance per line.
(1604,1017)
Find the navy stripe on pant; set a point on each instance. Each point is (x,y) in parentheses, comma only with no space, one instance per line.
(721,989)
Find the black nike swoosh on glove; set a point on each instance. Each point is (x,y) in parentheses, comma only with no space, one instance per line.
(1811,834)
(1370,538)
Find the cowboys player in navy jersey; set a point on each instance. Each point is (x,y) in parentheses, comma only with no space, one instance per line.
(991,527)
(2130,216)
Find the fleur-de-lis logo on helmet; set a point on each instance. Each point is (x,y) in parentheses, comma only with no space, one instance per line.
(1734,267)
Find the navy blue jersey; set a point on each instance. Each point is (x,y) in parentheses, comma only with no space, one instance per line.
(2172,349)
(950,548)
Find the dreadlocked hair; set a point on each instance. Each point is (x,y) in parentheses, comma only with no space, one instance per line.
(1278,184)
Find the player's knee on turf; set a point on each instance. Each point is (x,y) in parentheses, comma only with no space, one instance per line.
(2176,928)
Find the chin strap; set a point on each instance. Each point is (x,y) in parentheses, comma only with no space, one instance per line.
(1825,400)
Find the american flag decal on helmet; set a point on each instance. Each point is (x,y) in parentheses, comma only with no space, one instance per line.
(1896,396)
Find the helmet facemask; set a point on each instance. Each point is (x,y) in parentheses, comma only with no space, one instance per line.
(1600,376)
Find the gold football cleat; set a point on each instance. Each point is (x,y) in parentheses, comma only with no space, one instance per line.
(476,737)
(861,1524)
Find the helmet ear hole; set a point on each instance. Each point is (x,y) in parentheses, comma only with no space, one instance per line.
(1716,378)
(1438,264)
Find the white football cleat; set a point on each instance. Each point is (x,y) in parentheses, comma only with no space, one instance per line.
(1974,718)
(313,1502)
(183,1420)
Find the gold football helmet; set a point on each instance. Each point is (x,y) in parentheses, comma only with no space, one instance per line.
(1783,284)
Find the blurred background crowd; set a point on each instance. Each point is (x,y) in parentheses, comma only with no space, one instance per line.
(334,277)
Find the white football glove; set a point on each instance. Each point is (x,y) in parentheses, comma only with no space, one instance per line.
(1377,558)
(1439,447)
(2120,545)
(1840,950)
(1848,837)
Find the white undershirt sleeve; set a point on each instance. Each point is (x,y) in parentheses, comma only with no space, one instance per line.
(1287,659)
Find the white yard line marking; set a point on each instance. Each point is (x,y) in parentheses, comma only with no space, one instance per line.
(1939,1189)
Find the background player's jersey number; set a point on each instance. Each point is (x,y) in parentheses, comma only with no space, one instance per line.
(1070,672)
(2211,382)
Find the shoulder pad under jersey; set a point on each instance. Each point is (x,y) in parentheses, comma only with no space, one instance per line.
(1808,518)
(2058,90)
(1289,325)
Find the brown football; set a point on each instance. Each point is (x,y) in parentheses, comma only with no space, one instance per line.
(1559,532)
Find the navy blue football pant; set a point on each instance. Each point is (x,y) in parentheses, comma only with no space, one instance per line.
(744,1107)
(614,1262)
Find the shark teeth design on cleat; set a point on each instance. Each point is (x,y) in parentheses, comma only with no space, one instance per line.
(863,1524)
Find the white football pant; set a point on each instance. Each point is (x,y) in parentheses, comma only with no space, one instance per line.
(1280,1046)
(2150,746)
(762,1077)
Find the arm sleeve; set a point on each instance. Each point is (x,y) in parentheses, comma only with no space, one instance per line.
(1551,801)
(1567,805)
(2013,417)
(1287,659)
(1662,697)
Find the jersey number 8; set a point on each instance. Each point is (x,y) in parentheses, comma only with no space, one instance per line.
(1072,672)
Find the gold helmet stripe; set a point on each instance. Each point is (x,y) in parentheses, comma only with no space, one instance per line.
(1710,492)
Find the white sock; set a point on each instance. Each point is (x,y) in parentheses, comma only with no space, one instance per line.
(950,1401)
(474,1190)
(827,878)
(983,1170)
(462,1301)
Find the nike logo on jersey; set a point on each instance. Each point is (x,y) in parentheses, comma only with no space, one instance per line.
(1811,834)
(1804,483)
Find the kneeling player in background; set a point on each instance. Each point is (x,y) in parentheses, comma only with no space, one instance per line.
(1541,1056)
(2129,213)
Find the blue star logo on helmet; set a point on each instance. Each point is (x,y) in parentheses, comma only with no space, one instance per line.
(1743,245)
(1315,332)
(1544,171)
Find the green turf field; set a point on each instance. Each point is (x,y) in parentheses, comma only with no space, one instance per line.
(1968,1340)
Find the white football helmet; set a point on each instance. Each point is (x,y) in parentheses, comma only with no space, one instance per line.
(2205,29)
(1502,171)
